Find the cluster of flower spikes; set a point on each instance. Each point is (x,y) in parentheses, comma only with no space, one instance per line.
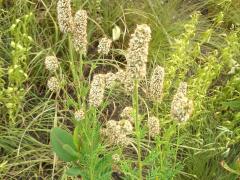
(136,57)
(137,53)
(76,25)
(181,108)
(118,132)
(136,64)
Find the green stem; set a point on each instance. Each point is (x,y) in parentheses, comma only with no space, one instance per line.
(177,146)
(138,132)
(73,67)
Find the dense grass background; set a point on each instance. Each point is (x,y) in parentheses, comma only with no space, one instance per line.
(196,41)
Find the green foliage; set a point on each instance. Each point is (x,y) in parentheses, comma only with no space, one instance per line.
(63,146)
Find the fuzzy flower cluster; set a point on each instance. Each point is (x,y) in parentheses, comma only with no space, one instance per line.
(80,31)
(76,25)
(99,84)
(110,80)
(153,126)
(127,113)
(137,54)
(53,84)
(117,132)
(64,14)
(121,76)
(156,83)
(104,46)
(97,89)
(182,107)
(79,115)
(51,63)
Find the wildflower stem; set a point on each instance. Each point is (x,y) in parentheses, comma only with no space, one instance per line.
(55,125)
(137,126)
(177,146)
(73,67)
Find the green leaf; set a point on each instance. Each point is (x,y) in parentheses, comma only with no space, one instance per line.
(234,105)
(70,150)
(74,171)
(60,140)
(225,166)
(76,138)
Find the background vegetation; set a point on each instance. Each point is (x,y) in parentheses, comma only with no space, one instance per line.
(197,41)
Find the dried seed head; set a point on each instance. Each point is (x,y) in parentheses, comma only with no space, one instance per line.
(122,140)
(64,14)
(126,127)
(127,113)
(182,107)
(51,63)
(137,53)
(121,76)
(104,46)
(79,115)
(116,133)
(129,82)
(80,31)
(156,83)
(110,79)
(96,93)
(116,158)
(111,124)
(153,126)
(53,84)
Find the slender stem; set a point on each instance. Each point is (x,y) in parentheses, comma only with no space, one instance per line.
(137,125)
(73,68)
(177,146)
(55,125)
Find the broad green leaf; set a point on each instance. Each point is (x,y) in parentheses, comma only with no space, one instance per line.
(70,150)
(59,139)
(74,171)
